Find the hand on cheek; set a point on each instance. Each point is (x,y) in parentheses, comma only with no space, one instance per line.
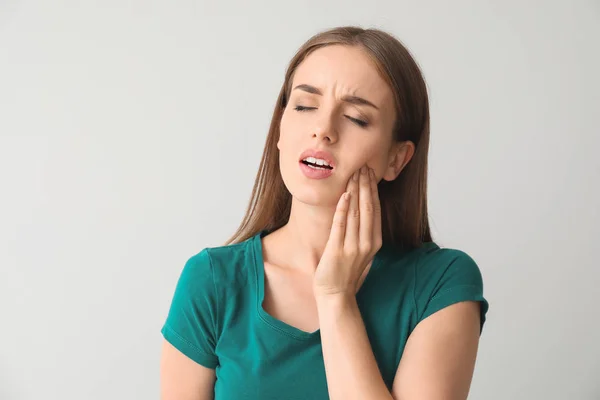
(354,239)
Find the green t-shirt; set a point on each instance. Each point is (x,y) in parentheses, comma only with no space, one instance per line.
(217,319)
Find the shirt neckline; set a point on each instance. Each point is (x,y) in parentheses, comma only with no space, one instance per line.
(259,275)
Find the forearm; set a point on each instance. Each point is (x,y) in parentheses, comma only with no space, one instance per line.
(350,366)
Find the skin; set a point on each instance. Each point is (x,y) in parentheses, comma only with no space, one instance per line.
(315,263)
(337,71)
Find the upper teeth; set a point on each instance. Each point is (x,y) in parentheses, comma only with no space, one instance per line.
(317,161)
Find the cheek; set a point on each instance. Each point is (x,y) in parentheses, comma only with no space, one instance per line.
(372,155)
(287,135)
(365,152)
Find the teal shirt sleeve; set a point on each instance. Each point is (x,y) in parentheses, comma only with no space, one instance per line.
(191,323)
(446,277)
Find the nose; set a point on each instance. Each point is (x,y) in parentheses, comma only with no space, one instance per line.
(325,130)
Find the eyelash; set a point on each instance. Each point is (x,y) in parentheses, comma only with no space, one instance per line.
(359,122)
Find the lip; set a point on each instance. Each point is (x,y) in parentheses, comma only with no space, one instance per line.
(313,173)
(323,155)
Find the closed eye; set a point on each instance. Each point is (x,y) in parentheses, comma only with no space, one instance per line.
(357,121)
(302,108)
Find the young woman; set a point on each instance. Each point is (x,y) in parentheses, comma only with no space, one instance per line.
(332,286)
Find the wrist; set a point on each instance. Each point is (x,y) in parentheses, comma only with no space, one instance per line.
(338,299)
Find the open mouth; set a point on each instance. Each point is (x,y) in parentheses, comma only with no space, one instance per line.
(316,163)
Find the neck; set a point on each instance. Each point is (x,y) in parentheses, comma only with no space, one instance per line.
(305,235)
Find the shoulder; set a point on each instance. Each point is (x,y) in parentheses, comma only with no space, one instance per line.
(227,265)
(431,265)
(429,258)
(441,277)
(434,262)
(446,276)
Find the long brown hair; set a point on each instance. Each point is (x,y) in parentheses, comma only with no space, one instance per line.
(405,221)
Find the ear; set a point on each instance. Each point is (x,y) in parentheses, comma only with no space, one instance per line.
(400,154)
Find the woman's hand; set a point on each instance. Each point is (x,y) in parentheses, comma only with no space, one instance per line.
(354,239)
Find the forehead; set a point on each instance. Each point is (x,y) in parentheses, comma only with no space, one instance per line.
(344,70)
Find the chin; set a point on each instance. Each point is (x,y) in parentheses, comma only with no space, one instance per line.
(321,193)
(314,195)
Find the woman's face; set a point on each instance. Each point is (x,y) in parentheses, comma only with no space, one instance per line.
(340,111)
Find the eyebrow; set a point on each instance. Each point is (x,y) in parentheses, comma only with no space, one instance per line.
(348,98)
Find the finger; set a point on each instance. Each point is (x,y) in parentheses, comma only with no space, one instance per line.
(338,227)
(377,234)
(353,220)
(366,210)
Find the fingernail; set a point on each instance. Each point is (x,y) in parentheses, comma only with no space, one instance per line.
(363,170)
(355,177)
(372,173)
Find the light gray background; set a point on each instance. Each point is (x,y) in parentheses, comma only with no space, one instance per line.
(130,133)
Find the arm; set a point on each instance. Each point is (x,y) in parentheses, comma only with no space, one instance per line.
(350,365)
(355,237)
(439,357)
(183,379)
(437,362)
(188,361)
